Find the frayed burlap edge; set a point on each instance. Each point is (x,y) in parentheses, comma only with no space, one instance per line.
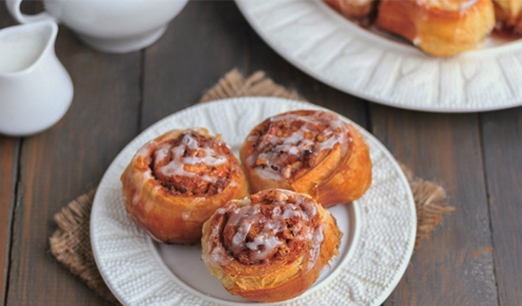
(234,84)
(430,203)
(70,243)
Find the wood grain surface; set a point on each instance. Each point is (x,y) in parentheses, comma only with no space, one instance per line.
(502,137)
(473,259)
(8,176)
(9,152)
(456,266)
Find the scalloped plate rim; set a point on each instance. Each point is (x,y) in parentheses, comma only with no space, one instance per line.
(392,44)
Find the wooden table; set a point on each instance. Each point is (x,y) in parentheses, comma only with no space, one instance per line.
(474,259)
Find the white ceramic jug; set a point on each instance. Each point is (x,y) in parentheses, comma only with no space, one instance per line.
(109,25)
(35,89)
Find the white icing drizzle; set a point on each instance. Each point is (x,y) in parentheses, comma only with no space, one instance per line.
(162,152)
(241,234)
(144,150)
(291,211)
(310,209)
(329,143)
(315,250)
(243,216)
(135,199)
(467,4)
(241,213)
(185,215)
(219,255)
(266,241)
(251,159)
(210,158)
(268,173)
(198,200)
(233,184)
(264,246)
(293,151)
(449,4)
(178,162)
(190,142)
(297,143)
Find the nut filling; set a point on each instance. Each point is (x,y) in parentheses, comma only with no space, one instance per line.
(275,226)
(286,146)
(192,164)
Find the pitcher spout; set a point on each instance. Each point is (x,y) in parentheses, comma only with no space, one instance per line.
(24,47)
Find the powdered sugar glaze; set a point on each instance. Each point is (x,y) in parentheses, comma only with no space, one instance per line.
(177,165)
(264,244)
(187,160)
(316,132)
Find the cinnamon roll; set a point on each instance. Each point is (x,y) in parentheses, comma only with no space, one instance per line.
(308,151)
(270,246)
(176,181)
(438,27)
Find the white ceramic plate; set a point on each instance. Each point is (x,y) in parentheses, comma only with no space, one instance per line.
(379,229)
(322,43)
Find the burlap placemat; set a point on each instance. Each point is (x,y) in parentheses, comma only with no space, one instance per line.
(70,243)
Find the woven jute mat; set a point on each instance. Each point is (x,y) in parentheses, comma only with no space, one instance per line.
(70,243)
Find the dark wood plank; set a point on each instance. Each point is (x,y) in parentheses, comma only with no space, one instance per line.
(66,161)
(9,149)
(8,175)
(456,266)
(206,40)
(502,140)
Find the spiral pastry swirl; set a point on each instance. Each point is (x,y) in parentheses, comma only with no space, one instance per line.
(270,246)
(308,151)
(176,181)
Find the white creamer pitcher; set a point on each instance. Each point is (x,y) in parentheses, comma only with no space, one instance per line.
(35,89)
(108,25)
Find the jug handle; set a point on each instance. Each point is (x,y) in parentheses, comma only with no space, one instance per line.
(14,8)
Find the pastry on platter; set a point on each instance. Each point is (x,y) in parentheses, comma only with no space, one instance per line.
(270,246)
(509,14)
(308,151)
(438,27)
(175,182)
(353,8)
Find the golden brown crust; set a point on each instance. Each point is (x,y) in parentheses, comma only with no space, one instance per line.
(357,9)
(311,152)
(438,27)
(175,182)
(294,234)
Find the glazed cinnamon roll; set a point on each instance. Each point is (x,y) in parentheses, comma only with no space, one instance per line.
(270,246)
(308,151)
(438,27)
(176,182)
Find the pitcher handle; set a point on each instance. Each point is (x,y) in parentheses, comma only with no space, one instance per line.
(14,8)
